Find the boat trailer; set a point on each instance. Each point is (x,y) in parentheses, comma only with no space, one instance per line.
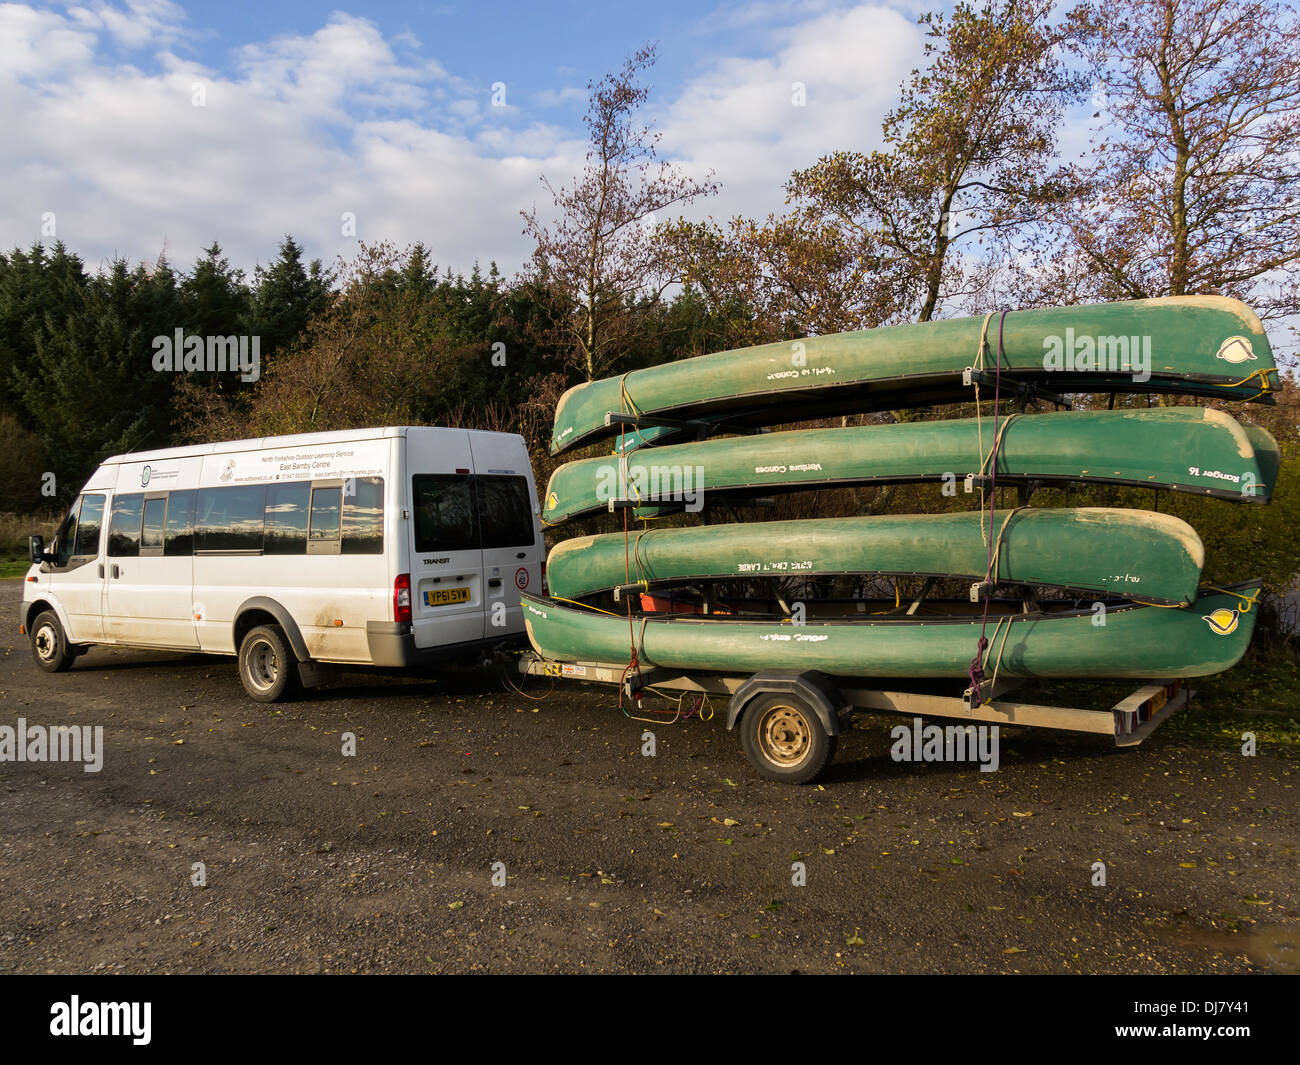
(789,721)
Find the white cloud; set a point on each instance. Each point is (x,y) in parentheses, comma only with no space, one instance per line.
(740,119)
(302,128)
(570,95)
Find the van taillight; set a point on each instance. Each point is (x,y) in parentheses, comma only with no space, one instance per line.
(402,598)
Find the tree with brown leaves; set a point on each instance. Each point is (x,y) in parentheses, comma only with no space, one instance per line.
(598,265)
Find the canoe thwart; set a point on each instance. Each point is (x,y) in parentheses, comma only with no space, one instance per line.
(700,427)
(1026,391)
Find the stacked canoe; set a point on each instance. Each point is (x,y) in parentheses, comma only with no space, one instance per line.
(1057,592)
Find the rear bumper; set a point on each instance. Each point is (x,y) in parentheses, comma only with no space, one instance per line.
(392,645)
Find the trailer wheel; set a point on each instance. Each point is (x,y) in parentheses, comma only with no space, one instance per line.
(50,646)
(267,667)
(785,740)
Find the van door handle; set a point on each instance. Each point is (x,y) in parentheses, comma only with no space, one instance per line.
(494,582)
(116,572)
(101,571)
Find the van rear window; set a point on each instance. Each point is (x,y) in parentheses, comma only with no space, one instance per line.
(505,515)
(444,512)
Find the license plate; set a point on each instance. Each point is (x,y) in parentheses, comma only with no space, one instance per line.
(446,596)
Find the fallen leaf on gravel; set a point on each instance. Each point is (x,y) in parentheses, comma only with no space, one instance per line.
(455,905)
(1014,950)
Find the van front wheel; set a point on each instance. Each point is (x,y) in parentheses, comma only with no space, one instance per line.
(50,646)
(267,667)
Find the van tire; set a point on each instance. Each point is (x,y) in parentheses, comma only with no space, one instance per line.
(268,669)
(50,647)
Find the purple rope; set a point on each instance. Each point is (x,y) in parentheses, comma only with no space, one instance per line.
(976,668)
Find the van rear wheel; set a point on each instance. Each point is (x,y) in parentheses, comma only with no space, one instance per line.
(50,645)
(267,667)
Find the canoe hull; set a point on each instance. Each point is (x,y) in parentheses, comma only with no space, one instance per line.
(1190,449)
(1193,345)
(1136,642)
(1154,557)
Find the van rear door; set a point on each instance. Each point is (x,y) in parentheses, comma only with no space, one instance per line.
(447,591)
(508,528)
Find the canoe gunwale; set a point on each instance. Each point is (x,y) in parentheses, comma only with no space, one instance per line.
(904,391)
(735,494)
(1094,593)
(1124,606)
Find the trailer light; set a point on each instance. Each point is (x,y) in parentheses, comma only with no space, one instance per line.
(402,598)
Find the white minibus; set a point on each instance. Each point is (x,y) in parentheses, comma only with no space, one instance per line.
(393,547)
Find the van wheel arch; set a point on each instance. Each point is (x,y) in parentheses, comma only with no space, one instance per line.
(261,610)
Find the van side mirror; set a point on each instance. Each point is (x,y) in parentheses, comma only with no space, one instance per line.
(36,549)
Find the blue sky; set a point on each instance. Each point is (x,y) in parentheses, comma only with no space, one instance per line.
(135,127)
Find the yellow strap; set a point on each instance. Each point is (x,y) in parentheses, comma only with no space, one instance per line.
(585,606)
(1249,600)
(1262,374)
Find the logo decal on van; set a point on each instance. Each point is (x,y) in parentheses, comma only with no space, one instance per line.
(144,477)
(521,578)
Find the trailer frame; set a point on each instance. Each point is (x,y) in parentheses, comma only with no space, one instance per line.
(832,700)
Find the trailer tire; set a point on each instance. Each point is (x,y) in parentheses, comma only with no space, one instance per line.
(268,669)
(785,740)
(50,647)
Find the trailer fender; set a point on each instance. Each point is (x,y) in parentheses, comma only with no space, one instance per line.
(259,606)
(812,687)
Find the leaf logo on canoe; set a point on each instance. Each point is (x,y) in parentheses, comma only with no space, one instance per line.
(1236,350)
(552,501)
(1222,622)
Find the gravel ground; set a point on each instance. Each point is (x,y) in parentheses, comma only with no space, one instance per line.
(613,861)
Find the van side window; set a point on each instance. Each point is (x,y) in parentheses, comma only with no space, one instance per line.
(124,526)
(444,512)
(286,518)
(230,518)
(151,535)
(363,516)
(504,512)
(326,504)
(179,538)
(88,526)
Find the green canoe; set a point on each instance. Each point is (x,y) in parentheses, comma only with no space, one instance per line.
(1134,553)
(1194,345)
(1135,641)
(1191,449)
